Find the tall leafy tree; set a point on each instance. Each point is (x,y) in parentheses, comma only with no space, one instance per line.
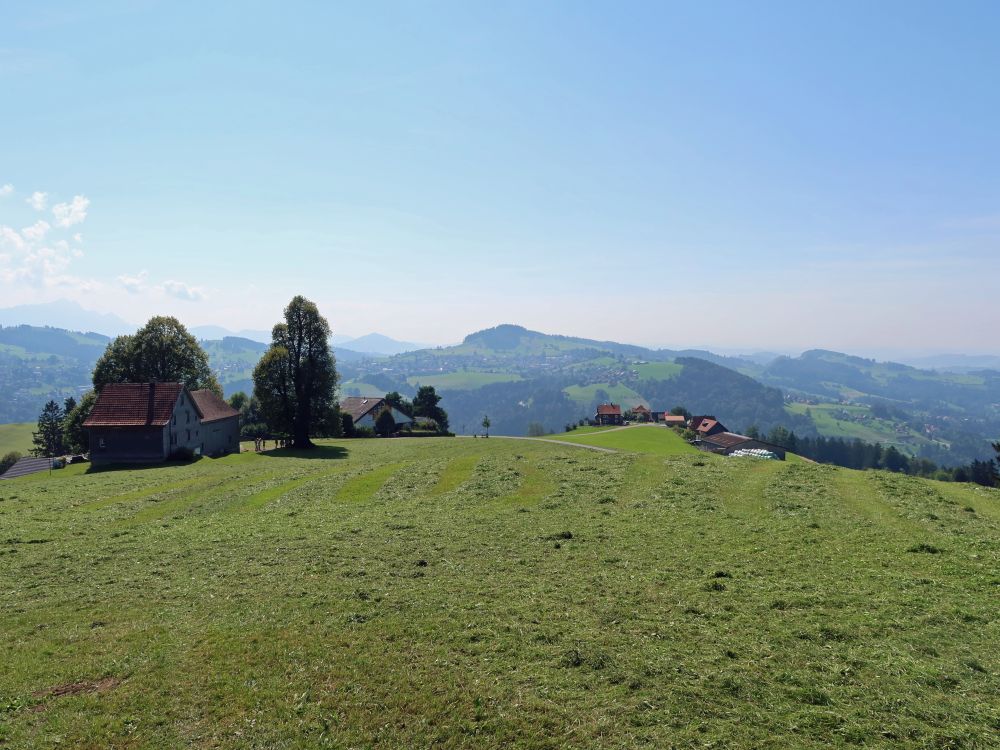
(75,438)
(48,441)
(295,380)
(163,351)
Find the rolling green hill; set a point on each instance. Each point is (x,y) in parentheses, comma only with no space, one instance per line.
(497,593)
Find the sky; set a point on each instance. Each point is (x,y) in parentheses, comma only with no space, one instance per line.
(743,176)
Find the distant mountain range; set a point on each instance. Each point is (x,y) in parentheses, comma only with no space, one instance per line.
(72,316)
(65,314)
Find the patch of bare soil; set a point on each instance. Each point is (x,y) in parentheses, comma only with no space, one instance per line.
(77,688)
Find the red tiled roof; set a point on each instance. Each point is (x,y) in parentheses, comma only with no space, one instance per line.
(212,407)
(609,409)
(707,424)
(673,419)
(134,405)
(641,408)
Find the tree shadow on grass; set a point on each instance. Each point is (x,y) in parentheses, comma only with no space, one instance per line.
(328,452)
(141,465)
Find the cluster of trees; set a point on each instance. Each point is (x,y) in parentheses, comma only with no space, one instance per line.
(858,454)
(60,427)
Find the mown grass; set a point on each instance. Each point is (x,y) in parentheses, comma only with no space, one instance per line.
(16,436)
(497,593)
(653,439)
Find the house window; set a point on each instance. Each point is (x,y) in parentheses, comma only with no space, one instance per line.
(100,443)
(175,419)
(188,435)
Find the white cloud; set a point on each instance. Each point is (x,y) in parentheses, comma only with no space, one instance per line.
(74,212)
(11,239)
(134,284)
(36,231)
(6,190)
(78,237)
(38,200)
(180,290)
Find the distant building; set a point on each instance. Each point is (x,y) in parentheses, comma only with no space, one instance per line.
(609,414)
(150,422)
(706,425)
(671,420)
(642,414)
(725,443)
(365,410)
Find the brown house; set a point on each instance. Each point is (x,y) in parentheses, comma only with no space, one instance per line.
(671,420)
(150,422)
(609,414)
(642,414)
(706,425)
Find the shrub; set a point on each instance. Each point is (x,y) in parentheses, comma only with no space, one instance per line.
(8,460)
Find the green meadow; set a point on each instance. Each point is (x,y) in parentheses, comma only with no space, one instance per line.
(462,593)
(16,437)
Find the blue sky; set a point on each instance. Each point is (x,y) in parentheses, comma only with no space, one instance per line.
(751,176)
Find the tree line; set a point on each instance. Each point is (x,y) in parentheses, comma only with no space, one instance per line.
(858,454)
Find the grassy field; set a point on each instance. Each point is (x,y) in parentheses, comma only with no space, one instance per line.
(16,437)
(658,370)
(497,593)
(825,417)
(463,379)
(619,394)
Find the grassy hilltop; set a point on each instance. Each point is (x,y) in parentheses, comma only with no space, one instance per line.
(498,593)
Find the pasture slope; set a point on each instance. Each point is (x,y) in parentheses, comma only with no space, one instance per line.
(497,594)
(16,437)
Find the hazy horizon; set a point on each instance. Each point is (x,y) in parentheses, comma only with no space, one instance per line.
(732,178)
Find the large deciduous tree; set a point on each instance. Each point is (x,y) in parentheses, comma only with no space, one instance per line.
(162,351)
(295,380)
